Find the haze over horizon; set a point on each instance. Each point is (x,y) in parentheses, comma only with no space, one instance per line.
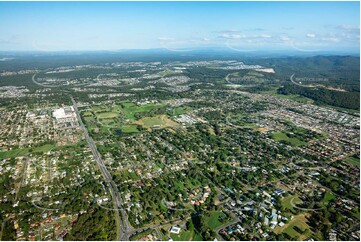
(180,26)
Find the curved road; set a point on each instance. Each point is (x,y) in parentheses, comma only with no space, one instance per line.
(291,79)
(43,85)
(304,209)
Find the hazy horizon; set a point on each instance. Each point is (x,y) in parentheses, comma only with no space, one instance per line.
(180,26)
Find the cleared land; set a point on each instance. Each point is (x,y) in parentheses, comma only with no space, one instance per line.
(161,121)
(182,236)
(298,223)
(129,128)
(130,109)
(107,115)
(25,151)
(280,136)
(181,110)
(286,202)
(352,160)
(141,235)
(213,221)
(328,197)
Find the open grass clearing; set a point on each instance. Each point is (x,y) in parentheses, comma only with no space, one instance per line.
(138,236)
(281,136)
(328,197)
(353,160)
(107,115)
(181,110)
(25,151)
(297,224)
(286,202)
(213,221)
(182,236)
(130,109)
(160,121)
(129,128)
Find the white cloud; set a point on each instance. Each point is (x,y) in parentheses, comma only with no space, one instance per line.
(331,39)
(232,36)
(284,38)
(349,27)
(311,35)
(265,36)
(165,39)
(242,36)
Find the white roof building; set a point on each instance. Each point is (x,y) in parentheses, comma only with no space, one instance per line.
(175,230)
(61,113)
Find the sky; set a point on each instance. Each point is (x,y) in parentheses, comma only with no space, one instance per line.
(180,26)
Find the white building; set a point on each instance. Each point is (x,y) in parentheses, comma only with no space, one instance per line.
(175,230)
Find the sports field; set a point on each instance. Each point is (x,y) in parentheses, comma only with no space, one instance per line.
(161,121)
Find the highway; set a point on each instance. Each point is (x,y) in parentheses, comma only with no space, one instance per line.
(124,229)
(291,79)
(298,84)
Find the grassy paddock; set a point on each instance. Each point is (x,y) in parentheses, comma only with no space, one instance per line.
(299,221)
(141,235)
(280,136)
(213,221)
(161,120)
(25,151)
(352,160)
(107,115)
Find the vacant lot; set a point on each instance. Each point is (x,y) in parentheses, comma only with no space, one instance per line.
(160,120)
(182,236)
(129,128)
(328,197)
(352,160)
(106,115)
(130,109)
(286,202)
(25,151)
(296,225)
(215,220)
(280,136)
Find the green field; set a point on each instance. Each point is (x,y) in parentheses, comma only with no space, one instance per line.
(280,136)
(182,236)
(106,115)
(299,221)
(129,128)
(286,202)
(150,121)
(328,197)
(43,148)
(213,220)
(130,109)
(87,113)
(161,120)
(353,160)
(181,110)
(25,151)
(197,237)
(141,235)
(109,119)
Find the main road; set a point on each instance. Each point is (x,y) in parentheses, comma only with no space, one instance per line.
(124,229)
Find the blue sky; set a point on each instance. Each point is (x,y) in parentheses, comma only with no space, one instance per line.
(180,26)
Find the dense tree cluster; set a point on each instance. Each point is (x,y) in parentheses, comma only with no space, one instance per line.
(341,99)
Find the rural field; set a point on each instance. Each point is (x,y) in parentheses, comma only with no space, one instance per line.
(160,121)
